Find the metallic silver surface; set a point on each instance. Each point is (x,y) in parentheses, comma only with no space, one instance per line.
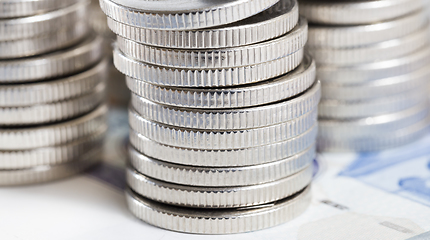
(228,221)
(357,35)
(26,27)
(372,107)
(26,47)
(56,64)
(373,126)
(223,158)
(15,95)
(368,72)
(357,12)
(221,139)
(220,176)
(378,88)
(182,14)
(253,54)
(52,112)
(23,8)
(386,50)
(206,78)
(51,155)
(45,173)
(242,118)
(271,23)
(273,90)
(218,197)
(382,141)
(54,134)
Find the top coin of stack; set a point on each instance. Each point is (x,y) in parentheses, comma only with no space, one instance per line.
(223,111)
(51,88)
(372,59)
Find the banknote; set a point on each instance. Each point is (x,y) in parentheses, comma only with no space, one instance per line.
(382,195)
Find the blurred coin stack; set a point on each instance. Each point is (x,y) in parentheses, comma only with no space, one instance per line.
(117,92)
(372,59)
(52,120)
(223,119)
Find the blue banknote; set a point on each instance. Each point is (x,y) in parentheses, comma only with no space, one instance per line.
(404,171)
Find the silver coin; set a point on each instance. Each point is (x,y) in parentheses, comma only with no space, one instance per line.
(378,88)
(274,90)
(269,24)
(224,158)
(218,197)
(373,126)
(27,27)
(52,112)
(372,107)
(56,64)
(218,58)
(358,35)
(55,134)
(62,38)
(221,139)
(242,118)
(386,50)
(206,78)
(23,8)
(368,72)
(16,95)
(46,173)
(51,155)
(212,221)
(376,143)
(182,14)
(220,176)
(357,12)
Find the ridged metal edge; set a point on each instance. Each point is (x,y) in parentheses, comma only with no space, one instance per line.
(229,139)
(219,15)
(218,221)
(218,197)
(217,58)
(222,158)
(271,23)
(206,78)
(220,176)
(243,118)
(54,134)
(274,90)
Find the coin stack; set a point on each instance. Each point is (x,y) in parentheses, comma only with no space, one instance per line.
(118,94)
(372,59)
(52,120)
(223,119)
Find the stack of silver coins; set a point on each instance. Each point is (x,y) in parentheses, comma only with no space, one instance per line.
(223,112)
(118,94)
(52,120)
(372,59)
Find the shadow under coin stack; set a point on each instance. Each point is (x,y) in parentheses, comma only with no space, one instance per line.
(372,59)
(224,119)
(52,120)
